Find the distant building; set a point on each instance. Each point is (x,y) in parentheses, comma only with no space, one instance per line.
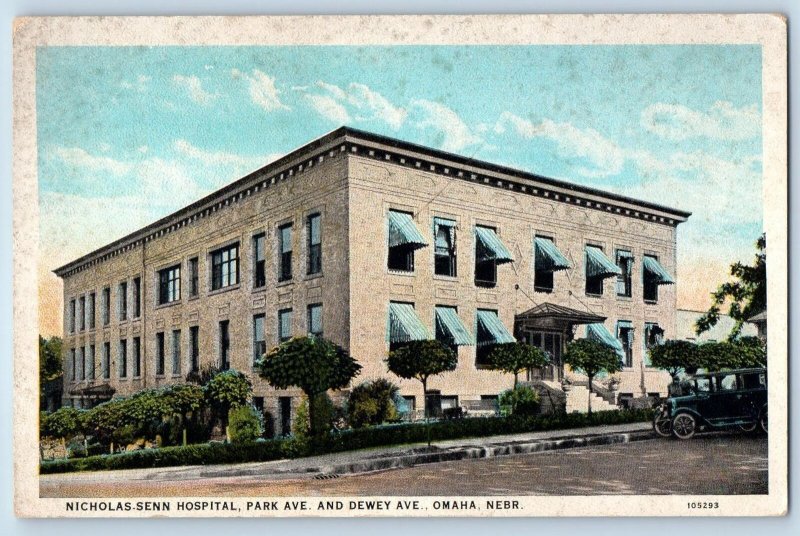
(686,320)
(760,321)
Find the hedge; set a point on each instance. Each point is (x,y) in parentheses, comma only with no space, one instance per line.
(377,436)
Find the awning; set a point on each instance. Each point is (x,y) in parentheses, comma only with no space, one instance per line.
(404,324)
(448,321)
(490,248)
(599,333)
(654,269)
(625,324)
(598,265)
(493,329)
(548,257)
(443,240)
(550,316)
(403,231)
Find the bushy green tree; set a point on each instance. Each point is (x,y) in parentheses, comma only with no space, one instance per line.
(515,357)
(521,401)
(591,357)
(313,364)
(746,293)
(741,353)
(419,360)
(63,424)
(245,424)
(371,403)
(50,361)
(676,355)
(226,390)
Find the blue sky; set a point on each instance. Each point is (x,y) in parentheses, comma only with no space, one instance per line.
(129,134)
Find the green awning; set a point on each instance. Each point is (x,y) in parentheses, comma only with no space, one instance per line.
(653,268)
(489,247)
(448,321)
(403,231)
(548,256)
(404,325)
(492,328)
(598,265)
(443,234)
(624,254)
(599,333)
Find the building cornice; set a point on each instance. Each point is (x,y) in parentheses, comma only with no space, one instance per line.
(349,141)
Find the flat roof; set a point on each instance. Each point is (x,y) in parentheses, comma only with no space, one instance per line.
(350,134)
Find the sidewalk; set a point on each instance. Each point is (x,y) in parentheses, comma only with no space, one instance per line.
(377,459)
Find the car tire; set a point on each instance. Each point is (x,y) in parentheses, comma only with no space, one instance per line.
(684,425)
(662,425)
(749,428)
(763,422)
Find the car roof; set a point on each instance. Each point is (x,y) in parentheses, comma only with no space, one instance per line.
(732,371)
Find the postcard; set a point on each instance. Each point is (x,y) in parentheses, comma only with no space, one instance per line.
(400,266)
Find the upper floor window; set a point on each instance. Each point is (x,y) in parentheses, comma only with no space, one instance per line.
(625,264)
(169,284)
(489,252)
(225,267)
(444,242)
(404,239)
(137,357)
(160,353)
(137,297)
(224,345)
(176,352)
(259,262)
(106,306)
(548,260)
(314,226)
(194,348)
(82,313)
(598,268)
(315,319)
(105,366)
(653,275)
(71,314)
(194,277)
(90,310)
(122,300)
(284,325)
(285,249)
(123,358)
(259,341)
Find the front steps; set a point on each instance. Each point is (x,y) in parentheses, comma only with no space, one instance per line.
(578,401)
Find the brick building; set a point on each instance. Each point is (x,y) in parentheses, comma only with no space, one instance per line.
(370,242)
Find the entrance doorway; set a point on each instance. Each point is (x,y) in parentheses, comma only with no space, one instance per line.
(552,343)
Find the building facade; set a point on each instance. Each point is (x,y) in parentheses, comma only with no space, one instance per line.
(370,242)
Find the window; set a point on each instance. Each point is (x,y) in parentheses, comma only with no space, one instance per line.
(71,315)
(169,284)
(625,337)
(594,270)
(225,267)
(123,358)
(90,365)
(314,227)
(160,353)
(122,301)
(82,363)
(82,313)
(194,277)
(653,336)
(136,350)
(224,345)
(137,297)
(285,249)
(176,352)
(90,311)
(284,325)
(703,385)
(543,280)
(72,365)
(106,306)
(259,342)
(444,240)
(650,283)
(625,263)
(106,362)
(443,330)
(404,238)
(315,319)
(726,383)
(194,348)
(259,263)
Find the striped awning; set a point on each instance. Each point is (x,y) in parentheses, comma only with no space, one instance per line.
(493,329)
(490,248)
(403,231)
(448,321)
(653,268)
(548,256)
(599,333)
(598,265)
(443,234)
(404,325)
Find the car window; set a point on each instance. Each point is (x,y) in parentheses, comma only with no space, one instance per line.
(703,385)
(726,383)
(753,381)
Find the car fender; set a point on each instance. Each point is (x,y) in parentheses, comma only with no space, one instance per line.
(700,420)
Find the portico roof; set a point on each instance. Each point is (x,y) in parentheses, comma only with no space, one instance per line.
(554,317)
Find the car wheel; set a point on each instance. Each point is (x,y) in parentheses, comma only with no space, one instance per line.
(684,426)
(662,425)
(749,427)
(763,421)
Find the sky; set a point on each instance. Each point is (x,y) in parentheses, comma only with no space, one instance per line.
(127,135)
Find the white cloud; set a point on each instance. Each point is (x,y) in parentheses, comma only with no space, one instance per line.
(723,121)
(604,156)
(262,90)
(140,83)
(356,101)
(455,134)
(235,163)
(80,158)
(329,108)
(194,87)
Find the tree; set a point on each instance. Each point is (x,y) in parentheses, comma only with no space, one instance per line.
(747,293)
(371,403)
(746,352)
(313,364)
(420,360)
(514,357)
(50,367)
(674,356)
(64,423)
(226,390)
(591,357)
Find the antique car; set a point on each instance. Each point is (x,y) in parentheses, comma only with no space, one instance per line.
(714,401)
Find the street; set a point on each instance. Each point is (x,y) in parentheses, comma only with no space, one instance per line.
(713,464)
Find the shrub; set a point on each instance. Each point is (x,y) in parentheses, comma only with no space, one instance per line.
(522,401)
(323,418)
(372,403)
(63,424)
(227,390)
(245,424)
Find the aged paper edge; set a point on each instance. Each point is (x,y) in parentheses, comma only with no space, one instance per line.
(766,30)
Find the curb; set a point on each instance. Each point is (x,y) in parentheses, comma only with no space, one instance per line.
(436,454)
